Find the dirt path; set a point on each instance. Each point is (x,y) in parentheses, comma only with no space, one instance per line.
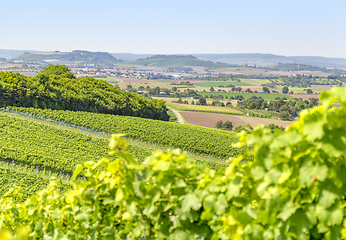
(210,119)
(180,119)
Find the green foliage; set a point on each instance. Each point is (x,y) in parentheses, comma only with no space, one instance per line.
(246,128)
(287,109)
(57,88)
(29,183)
(285,90)
(224,126)
(273,127)
(60,71)
(293,189)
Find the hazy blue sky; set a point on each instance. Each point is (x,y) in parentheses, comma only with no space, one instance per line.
(289,27)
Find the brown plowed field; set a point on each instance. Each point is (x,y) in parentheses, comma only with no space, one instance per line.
(210,119)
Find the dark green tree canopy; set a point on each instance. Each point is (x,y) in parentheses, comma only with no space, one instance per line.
(57,88)
(285,90)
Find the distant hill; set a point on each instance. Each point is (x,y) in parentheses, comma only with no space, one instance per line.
(260,59)
(130,56)
(105,58)
(321,61)
(174,61)
(304,67)
(257,59)
(4,53)
(75,57)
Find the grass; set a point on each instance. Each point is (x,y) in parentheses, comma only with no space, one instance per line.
(172,116)
(265,96)
(220,83)
(206,109)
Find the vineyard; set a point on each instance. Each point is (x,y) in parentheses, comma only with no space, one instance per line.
(36,152)
(174,135)
(293,188)
(29,183)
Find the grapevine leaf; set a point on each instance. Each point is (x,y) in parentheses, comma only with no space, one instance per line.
(209,201)
(221,204)
(112,167)
(78,169)
(308,173)
(190,201)
(288,209)
(327,198)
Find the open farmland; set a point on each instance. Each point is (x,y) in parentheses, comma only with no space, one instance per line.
(209,120)
(199,108)
(265,96)
(219,83)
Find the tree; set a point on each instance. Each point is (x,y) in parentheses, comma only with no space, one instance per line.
(219,124)
(266,90)
(212,89)
(285,90)
(309,91)
(202,101)
(284,115)
(227,126)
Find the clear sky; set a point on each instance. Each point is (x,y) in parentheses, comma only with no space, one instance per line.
(283,27)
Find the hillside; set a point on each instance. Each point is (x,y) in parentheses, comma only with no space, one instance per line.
(173,61)
(130,56)
(191,138)
(6,53)
(75,57)
(57,88)
(261,60)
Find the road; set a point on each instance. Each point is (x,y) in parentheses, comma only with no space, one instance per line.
(180,118)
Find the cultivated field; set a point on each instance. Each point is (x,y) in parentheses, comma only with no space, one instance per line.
(220,83)
(199,108)
(209,120)
(265,96)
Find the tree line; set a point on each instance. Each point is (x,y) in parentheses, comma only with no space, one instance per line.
(57,88)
